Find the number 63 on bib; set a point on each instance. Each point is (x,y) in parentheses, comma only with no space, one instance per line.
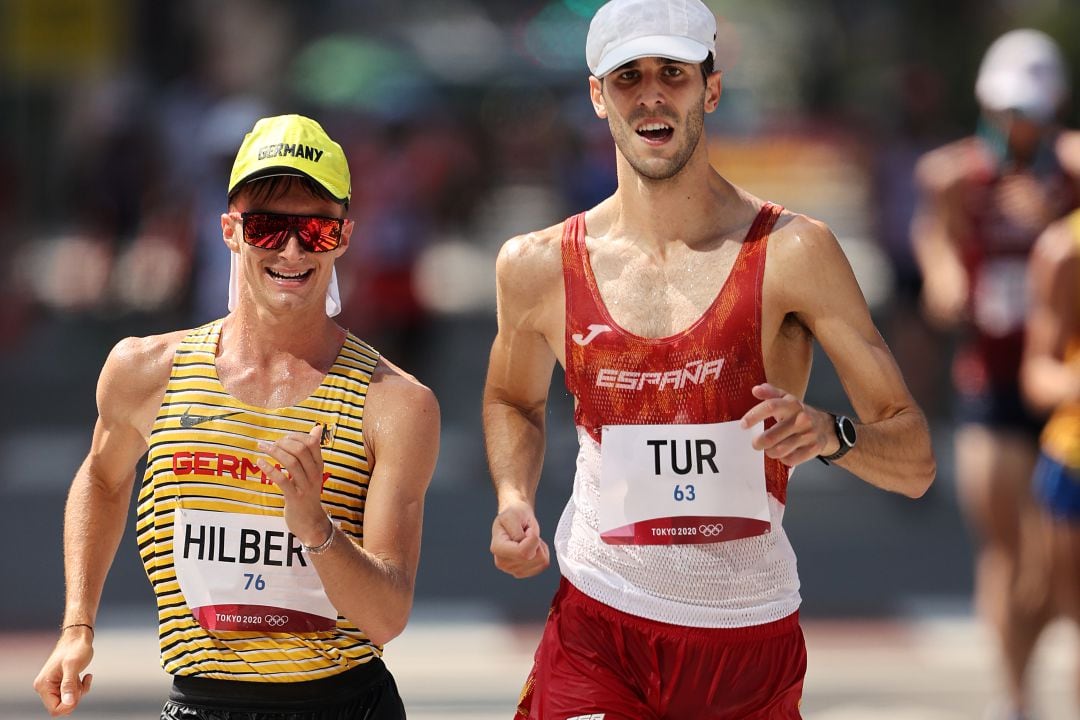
(681,484)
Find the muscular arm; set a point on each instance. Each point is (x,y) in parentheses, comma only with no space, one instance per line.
(370,584)
(515,396)
(936,227)
(130,389)
(1047,379)
(808,277)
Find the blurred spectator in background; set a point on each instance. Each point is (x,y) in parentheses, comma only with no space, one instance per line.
(1051,383)
(984,201)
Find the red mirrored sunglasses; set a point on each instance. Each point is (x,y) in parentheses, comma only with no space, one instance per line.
(270,231)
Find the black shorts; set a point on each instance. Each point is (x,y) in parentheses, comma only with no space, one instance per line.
(998,408)
(366,692)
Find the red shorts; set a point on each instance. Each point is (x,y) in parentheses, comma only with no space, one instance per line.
(598,663)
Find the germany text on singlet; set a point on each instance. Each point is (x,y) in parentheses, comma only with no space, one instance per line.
(237,597)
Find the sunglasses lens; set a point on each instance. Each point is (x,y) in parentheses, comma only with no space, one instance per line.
(264,231)
(269,231)
(320,234)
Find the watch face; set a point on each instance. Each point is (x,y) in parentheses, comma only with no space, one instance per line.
(847,430)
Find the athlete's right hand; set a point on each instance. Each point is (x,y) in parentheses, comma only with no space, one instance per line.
(58,683)
(516,542)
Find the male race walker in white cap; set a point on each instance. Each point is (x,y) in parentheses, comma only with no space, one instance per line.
(683,310)
(984,200)
(280,512)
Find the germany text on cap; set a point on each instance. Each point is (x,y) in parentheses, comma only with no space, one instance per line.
(292,145)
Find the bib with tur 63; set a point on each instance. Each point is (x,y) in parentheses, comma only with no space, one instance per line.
(681,484)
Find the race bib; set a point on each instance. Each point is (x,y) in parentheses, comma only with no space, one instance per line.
(681,484)
(247,572)
(999,303)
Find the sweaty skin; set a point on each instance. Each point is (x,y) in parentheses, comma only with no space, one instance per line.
(661,248)
(275,350)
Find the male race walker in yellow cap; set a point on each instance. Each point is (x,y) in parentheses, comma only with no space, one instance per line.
(683,310)
(279,516)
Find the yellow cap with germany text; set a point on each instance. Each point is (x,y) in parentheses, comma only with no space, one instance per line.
(292,145)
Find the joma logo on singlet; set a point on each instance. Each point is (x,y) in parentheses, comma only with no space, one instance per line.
(695,372)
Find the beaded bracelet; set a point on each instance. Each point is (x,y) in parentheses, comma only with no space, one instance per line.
(320,549)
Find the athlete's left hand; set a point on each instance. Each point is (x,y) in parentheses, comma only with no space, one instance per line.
(801,432)
(300,478)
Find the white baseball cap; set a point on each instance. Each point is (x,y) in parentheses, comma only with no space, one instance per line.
(625,30)
(1023,70)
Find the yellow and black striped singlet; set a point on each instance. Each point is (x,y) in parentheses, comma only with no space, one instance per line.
(1061,436)
(202,457)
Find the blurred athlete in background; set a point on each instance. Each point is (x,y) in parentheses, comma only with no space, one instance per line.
(1051,382)
(984,201)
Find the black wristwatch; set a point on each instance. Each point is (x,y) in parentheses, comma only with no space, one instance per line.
(845,433)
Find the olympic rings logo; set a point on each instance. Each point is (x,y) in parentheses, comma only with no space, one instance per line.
(711,530)
(276,620)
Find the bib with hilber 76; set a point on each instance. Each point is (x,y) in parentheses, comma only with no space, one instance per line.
(240,571)
(681,484)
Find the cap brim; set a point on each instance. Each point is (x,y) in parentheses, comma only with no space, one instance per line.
(664,46)
(1015,91)
(282,171)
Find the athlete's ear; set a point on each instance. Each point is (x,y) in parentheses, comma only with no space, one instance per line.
(232,230)
(596,94)
(346,234)
(714,85)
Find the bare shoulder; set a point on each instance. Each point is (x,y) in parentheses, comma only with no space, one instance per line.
(531,264)
(395,385)
(1068,152)
(951,165)
(401,420)
(141,365)
(800,240)
(133,381)
(804,264)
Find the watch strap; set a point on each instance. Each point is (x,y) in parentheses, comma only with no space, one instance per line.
(845,447)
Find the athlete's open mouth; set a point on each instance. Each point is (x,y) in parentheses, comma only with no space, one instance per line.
(290,276)
(655,131)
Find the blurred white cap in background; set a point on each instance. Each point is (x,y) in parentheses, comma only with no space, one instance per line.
(1023,70)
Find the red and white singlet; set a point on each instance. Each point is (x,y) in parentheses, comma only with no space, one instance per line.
(673,516)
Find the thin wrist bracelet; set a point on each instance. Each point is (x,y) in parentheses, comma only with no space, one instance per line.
(320,549)
(85,625)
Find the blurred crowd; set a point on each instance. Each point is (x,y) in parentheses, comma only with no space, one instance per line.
(466,122)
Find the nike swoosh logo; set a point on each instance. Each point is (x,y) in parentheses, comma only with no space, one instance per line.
(594,330)
(189,421)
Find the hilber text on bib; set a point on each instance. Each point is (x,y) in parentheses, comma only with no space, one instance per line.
(240,571)
(681,484)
